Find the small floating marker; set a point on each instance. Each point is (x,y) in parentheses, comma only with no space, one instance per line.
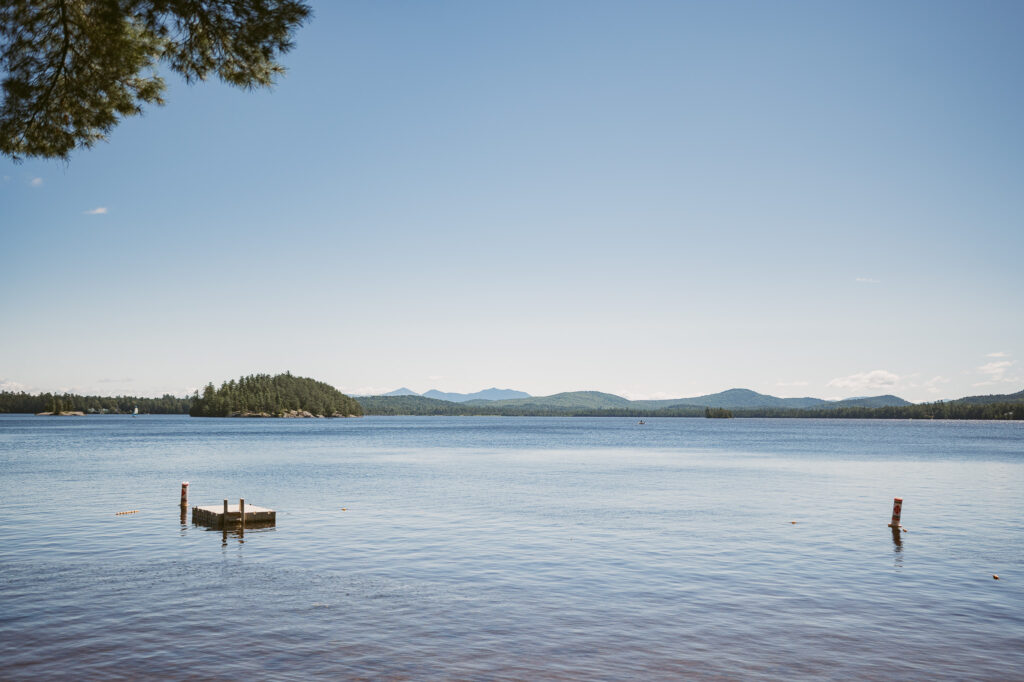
(344,509)
(793,522)
(133,511)
(897,509)
(995,577)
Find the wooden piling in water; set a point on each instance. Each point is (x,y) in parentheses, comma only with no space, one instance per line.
(897,509)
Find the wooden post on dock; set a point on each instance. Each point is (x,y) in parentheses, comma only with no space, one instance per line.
(184,493)
(897,509)
(241,513)
(225,520)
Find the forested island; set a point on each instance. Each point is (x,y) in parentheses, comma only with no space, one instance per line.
(283,395)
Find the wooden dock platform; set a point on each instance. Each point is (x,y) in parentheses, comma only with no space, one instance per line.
(214,515)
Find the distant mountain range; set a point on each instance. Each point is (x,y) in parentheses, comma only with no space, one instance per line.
(745,402)
(487,394)
(733,399)
(400,391)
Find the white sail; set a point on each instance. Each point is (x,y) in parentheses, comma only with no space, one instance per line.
(135,412)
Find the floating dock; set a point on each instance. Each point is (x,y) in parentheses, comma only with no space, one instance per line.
(241,514)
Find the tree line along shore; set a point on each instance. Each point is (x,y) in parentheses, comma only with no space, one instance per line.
(395,406)
(285,395)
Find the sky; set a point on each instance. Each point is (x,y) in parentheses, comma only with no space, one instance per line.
(653,199)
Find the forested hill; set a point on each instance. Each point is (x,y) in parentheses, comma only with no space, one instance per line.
(283,395)
(993,399)
(595,404)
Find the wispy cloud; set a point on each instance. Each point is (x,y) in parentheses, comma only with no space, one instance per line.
(870,381)
(868,280)
(36,182)
(999,371)
(996,371)
(99,210)
(13,386)
(933,384)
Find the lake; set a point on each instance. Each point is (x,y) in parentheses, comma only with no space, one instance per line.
(488,548)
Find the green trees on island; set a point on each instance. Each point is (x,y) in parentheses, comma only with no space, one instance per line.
(717,413)
(273,396)
(258,394)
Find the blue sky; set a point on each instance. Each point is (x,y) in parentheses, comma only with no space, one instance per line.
(656,199)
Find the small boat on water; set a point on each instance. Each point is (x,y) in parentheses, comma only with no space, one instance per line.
(641,422)
(135,412)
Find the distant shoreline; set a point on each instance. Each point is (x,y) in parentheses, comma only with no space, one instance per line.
(285,396)
(737,415)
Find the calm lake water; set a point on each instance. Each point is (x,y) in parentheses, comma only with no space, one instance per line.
(512,548)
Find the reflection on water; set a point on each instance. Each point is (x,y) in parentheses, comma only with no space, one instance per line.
(479,548)
(239,532)
(897,539)
(897,549)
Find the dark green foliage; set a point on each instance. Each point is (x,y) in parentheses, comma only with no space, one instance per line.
(717,413)
(91,404)
(74,68)
(262,394)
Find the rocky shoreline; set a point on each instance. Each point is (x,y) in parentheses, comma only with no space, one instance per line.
(73,413)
